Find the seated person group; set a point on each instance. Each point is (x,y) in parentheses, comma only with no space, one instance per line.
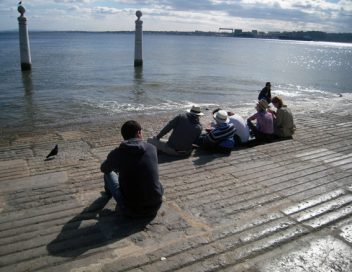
(131,170)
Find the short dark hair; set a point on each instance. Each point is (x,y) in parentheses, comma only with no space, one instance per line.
(268,84)
(130,129)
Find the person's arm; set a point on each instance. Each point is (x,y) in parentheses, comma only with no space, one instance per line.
(251,118)
(279,118)
(210,127)
(167,128)
(272,112)
(111,163)
(210,136)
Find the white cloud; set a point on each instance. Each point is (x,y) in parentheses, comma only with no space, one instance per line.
(106,10)
(73,1)
(328,15)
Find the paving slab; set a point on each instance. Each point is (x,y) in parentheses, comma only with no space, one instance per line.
(33,182)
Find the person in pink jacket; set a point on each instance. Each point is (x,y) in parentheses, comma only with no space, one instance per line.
(264,128)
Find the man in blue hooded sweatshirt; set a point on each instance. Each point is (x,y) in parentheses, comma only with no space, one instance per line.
(131,174)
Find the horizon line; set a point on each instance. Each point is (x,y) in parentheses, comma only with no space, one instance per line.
(174,31)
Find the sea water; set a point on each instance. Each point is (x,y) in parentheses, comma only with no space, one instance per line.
(82,76)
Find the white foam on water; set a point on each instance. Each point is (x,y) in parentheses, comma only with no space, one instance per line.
(299,98)
(113,107)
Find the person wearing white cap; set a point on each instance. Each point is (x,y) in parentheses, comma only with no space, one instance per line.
(264,128)
(220,138)
(242,131)
(186,129)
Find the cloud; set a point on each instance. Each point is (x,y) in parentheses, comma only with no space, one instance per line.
(328,15)
(73,1)
(105,10)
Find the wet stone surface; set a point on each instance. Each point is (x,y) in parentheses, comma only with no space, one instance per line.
(346,233)
(323,254)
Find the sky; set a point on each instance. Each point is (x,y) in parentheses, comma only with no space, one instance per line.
(181,15)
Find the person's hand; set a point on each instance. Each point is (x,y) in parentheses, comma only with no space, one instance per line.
(208,129)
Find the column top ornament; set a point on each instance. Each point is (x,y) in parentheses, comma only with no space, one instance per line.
(21,9)
(138,14)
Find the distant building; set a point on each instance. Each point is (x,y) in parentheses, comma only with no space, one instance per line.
(255,32)
(226,29)
(238,31)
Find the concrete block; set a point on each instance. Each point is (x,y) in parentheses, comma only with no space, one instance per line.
(33,182)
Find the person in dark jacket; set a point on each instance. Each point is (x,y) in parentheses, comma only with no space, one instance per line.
(220,138)
(265,93)
(185,127)
(131,174)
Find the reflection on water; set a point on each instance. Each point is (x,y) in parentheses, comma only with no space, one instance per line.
(138,74)
(28,98)
(138,84)
(27,82)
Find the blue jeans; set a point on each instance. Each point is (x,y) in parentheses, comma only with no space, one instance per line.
(111,181)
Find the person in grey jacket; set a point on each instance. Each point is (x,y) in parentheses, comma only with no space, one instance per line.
(185,127)
(284,126)
(131,174)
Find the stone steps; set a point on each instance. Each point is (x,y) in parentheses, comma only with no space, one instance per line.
(222,213)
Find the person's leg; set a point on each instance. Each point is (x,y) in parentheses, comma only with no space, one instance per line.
(162,146)
(111,182)
(252,128)
(222,150)
(158,143)
(237,140)
(268,138)
(200,140)
(112,185)
(259,136)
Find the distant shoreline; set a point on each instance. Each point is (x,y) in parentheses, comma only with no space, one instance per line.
(317,36)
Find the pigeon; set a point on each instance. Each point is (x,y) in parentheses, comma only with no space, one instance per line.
(53,152)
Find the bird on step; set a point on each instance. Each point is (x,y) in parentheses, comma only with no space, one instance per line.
(53,152)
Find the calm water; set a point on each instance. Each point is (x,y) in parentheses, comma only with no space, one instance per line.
(88,76)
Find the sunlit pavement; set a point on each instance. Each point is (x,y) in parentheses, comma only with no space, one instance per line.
(283,206)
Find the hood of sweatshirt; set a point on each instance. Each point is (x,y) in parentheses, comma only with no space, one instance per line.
(133,146)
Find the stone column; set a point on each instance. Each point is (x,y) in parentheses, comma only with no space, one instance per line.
(25,53)
(138,42)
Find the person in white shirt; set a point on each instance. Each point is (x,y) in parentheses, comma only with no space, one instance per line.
(242,130)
